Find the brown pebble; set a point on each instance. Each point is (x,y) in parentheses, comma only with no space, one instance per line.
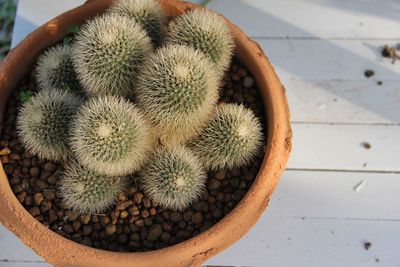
(84,218)
(176,216)
(38,198)
(71,215)
(146,203)
(42,184)
(219,175)
(153,211)
(134,211)
(52,179)
(154,233)
(110,229)
(183,234)
(5,151)
(50,167)
(68,228)
(76,225)
(34,171)
(105,220)
(167,227)
(28,200)
(135,237)
(214,184)
(124,214)
(197,218)
(139,223)
(114,216)
(145,213)
(86,229)
(4,159)
(138,197)
(21,196)
(46,205)
(15,157)
(49,195)
(52,215)
(34,211)
(248,82)
(124,205)
(165,237)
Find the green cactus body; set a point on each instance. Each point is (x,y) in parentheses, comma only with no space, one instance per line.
(231,139)
(147,13)
(178,90)
(43,123)
(110,136)
(55,69)
(107,54)
(173,178)
(85,191)
(205,31)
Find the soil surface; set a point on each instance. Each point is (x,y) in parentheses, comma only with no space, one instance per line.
(135,223)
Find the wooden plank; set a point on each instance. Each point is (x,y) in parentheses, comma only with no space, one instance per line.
(287,242)
(316,194)
(340,147)
(344,101)
(330,59)
(313,19)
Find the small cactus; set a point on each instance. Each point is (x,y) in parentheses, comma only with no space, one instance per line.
(174,178)
(107,54)
(147,13)
(55,69)
(43,123)
(231,139)
(85,191)
(205,31)
(110,136)
(178,90)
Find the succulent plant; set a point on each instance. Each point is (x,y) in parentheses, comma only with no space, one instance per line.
(55,69)
(43,123)
(147,13)
(107,54)
(85,191)
(178,89)
(173,178)
(231,139)
(110,136)
(206,31)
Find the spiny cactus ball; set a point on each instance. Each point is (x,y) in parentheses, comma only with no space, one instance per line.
(110,136)
(205,31)
(231,139)
(107,54)
(55,69)
(174,178)
(43,123)
(178,89)
(147,13)
(85,191)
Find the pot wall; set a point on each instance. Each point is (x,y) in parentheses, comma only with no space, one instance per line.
(63,252)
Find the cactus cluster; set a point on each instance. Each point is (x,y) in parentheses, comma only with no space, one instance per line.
(150,107)
(43,123)
(55,69)
(178,90)
(110,136)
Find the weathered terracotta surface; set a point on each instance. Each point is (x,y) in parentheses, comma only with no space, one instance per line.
(63,252)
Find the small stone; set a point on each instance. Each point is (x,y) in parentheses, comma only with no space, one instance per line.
(34,171)
(67,228)
(369,73)
(76,225)
(105,220)
(84,218)
(197,218)
(28,200)
(138,197)
(248,82)
(154,233)
(134,211)
(46,205)
(135,237)
(183,234)
(165,237)
(5,151)
(42,184)
(214,184)
(153,211)
(217,213)
(110,229)
(52,215)
(187,215)
(367,245)
(71,215)
(52,179)
(86,230)
(146,203)
(38,198)
(124,205)
(139,223)
(176,216)
(21,196)
(49,195)
(34,211)
(50,167)
(124,214)
(15,157)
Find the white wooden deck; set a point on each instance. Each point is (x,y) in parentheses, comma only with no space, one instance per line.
(335,195)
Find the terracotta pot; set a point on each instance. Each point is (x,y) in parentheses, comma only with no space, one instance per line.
(63,252)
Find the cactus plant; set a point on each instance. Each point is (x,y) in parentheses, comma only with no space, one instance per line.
(178,89)
(231,139)
(55,69)
(147,13)
(205,31)
(43,123)
(85,191)
(110,136)
(174,178)
(107,54)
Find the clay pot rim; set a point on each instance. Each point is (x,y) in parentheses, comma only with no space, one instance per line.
(276,155)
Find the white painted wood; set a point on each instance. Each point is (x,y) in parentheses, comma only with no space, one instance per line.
(313,19)
(339,147)
(288,242)
(33,13)
(329,59)
(316,194)
(344,101)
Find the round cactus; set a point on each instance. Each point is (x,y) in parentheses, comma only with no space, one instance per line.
(147,13)
(110,136)
(178,90)
(85,191)
(174,178)
(55,69)
(43,123)
(205,31)
(107,54)
(231,139)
